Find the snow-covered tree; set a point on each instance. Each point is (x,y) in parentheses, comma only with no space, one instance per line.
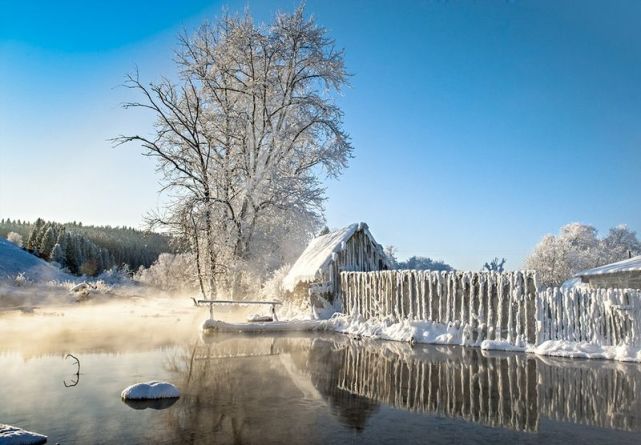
(576,248)
(423,263)
(15,238)
(32,242)
(170,272)
(47,242)
(57,255)
(392,255)
(245,134)
(620,243)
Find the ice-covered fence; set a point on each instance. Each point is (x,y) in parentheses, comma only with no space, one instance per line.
(492,306)
(603,316)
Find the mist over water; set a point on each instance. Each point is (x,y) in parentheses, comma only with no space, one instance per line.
(296,388)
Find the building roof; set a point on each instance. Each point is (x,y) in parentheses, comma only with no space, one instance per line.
(320,252)
(629,265)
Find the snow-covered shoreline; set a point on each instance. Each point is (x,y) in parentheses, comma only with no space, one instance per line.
(427,332)
(439,334)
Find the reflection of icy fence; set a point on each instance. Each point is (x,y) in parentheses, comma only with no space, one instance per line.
(490,391)
(601,396)
(602,316)
(495,306)
(510,391)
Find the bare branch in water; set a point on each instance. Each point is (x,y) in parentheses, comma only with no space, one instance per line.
(75,381)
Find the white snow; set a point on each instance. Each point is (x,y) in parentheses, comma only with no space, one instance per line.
(574,283)
(319,253)
(150,390)
(631,264)
(564,348)
(389,329)
(11,435)
(14,261)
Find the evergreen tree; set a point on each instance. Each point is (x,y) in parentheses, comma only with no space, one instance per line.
(47,243)
(58,255)
(35,233)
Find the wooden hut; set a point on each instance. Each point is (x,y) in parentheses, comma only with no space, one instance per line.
(624,274)
(316,272)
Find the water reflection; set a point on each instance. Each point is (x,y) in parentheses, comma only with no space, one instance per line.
(156,404)
(233,384)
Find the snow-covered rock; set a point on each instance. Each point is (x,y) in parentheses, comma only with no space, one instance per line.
(150,390)
(11,435)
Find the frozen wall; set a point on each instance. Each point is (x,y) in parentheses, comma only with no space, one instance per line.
(606,317)
(487,305)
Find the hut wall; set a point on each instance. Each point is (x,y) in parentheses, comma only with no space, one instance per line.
(620,280)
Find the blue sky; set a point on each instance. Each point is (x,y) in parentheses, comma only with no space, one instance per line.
(478,127)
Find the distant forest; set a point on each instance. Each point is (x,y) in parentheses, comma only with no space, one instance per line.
(88,250)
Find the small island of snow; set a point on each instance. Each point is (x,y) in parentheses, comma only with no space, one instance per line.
(150,390)
(11,435)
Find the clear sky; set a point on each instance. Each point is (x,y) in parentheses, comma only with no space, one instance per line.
(478,127)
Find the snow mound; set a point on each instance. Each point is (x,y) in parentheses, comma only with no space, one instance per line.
(11,435)
(14,261)
(150,390)
(570,349)
(390,329)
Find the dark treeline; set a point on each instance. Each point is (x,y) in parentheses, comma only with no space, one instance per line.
(88,250)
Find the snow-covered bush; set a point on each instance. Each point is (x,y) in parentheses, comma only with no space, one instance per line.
(21,280)
(170,272)
(115,275)
(15,238)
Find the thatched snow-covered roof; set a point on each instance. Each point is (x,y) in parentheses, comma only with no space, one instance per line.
(629,265)
(319,253)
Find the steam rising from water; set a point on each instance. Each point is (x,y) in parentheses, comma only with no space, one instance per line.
(119,325)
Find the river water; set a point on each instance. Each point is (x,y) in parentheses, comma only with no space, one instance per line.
(299,388)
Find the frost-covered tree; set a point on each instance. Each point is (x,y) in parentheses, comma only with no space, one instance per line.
(57,255)
(577,247)
(32,243)
(15,238)
(244,135)
(391,252)
(423,263)
(620,243)
(171,272)
(47,242)
(495,265)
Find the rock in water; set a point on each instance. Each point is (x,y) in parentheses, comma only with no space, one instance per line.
(11,435)
(150,390)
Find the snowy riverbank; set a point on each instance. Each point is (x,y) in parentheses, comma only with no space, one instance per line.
(440,334)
